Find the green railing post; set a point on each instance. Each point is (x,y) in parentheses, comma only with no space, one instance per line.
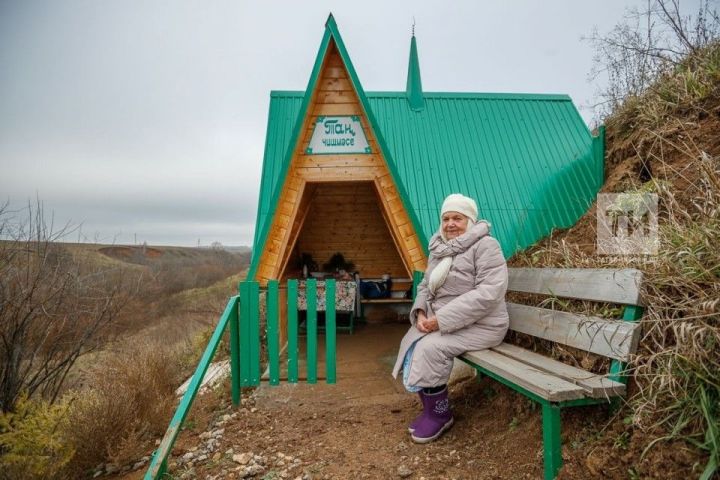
(292,315)
(235,354)
(244,322)
(254,333)
(249,334)
(158,464)
(552,446)
(330,334)
(631,313)
(273,342)
(311,330)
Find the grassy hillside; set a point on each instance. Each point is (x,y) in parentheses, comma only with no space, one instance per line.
(665,141)
(118,392)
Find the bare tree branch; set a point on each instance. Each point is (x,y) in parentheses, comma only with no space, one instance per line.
(52,309)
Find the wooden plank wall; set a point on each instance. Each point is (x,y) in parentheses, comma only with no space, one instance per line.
(335,95)
(347,218)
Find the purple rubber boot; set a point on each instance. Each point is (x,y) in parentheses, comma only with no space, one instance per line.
(419,418)
(438,419)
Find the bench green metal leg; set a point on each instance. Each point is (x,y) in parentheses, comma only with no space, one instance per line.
(552,448)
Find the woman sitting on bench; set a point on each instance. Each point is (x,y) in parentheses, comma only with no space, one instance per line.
(460,306)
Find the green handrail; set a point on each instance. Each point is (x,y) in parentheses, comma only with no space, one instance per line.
(158,465)
(243,316)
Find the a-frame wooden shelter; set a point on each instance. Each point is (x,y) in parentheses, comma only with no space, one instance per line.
(337,202)
(364,173)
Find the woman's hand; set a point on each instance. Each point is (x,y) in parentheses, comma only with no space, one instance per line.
(427,325)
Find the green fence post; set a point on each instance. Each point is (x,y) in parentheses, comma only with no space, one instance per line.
(254,333)
(552,443)
(235,354)
(330,334)
(273,342)
(292,314)
(244,321)
(311,331)
(631,313)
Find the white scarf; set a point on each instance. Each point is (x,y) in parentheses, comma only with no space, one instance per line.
(440,272)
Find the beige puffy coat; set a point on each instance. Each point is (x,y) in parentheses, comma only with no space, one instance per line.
(469,306)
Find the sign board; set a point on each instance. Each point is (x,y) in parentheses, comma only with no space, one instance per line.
(338,135)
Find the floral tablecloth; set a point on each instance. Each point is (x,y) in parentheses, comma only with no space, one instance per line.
(345,294)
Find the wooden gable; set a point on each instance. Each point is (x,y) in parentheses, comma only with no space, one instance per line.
(335,94)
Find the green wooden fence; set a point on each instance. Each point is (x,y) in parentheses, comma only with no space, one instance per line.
(248,373)
(242,314)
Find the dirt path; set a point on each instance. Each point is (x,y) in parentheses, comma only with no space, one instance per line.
(358,428)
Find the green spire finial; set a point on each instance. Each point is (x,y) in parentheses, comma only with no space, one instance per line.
(414,84)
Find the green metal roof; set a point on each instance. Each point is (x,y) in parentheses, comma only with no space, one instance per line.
(284,109)
(529,160)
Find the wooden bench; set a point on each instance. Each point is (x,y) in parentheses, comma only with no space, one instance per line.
(399,286)
(553,384)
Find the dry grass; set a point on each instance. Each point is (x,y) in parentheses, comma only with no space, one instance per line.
(676,370)
(128,403)
(682,90)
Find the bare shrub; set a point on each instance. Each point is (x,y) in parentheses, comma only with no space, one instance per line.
(52,309)
(651,44)
(127,402)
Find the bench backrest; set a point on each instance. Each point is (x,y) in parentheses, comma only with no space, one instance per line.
(615,339)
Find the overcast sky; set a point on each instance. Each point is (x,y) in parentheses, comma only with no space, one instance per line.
(146,119)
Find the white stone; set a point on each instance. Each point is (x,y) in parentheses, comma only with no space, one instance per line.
(215,374)
(404,471)
(242,458)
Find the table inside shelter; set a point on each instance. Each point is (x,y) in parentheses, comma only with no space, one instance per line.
(345,301)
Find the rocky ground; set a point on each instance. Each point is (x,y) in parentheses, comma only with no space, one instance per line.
(358,429)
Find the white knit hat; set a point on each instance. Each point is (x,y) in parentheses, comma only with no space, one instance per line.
(456,202)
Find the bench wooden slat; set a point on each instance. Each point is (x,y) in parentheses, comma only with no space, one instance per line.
(609,338)
(598,284)
(597,386)
(538,382)
(386,300)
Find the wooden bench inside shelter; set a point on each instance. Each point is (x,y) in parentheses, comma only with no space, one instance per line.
(397,297)
(553,384)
